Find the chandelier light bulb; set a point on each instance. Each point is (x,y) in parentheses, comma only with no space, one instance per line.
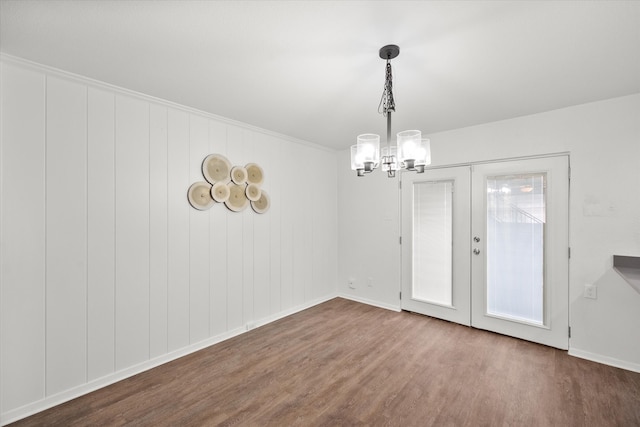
(365,155)
(424,153)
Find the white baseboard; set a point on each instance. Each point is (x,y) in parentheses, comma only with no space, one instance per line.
(605,360)
(65,396)
(370,302)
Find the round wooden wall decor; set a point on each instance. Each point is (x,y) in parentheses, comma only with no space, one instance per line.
(220,192)
(216,168)
(235,186)
(238,175)
(255,175)
(237,200)
(262,204)
(199,195)
(253,192)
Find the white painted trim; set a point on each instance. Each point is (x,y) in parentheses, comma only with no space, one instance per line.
(371,302)
(605,360)
(65,396)
(51,71)
(498,160)
(2,237)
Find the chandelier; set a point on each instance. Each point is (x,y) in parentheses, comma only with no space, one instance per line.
(411,152)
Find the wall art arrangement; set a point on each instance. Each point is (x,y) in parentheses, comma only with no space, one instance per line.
(235,186)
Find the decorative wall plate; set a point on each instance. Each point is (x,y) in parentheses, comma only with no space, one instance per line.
(253,192)
(237,200)
(262,204)
(199,195)
(238,175)
(220,192)
(216,168)
(255,175)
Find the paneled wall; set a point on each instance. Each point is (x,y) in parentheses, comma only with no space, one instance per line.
(106,269)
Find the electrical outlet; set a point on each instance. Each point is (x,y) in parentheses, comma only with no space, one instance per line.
(352,283)
(370,282)
(590,291)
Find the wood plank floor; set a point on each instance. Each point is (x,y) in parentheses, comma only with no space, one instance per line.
(347,364)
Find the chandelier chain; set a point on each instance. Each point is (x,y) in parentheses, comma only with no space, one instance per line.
(387,103)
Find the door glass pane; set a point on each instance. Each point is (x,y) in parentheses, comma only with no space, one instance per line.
(516,215)
(432,242)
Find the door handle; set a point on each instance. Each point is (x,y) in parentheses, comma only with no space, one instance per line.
(476,251)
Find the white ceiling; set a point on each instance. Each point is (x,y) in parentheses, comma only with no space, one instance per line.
(310,69)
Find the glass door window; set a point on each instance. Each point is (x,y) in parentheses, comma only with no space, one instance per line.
(516,214)
(432,242)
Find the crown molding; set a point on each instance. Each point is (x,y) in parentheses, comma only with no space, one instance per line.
(56,72)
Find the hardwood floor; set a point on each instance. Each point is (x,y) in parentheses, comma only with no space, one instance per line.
(347,364)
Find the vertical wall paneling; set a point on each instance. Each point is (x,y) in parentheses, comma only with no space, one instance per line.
(235,265)
(248,294)
(66,236)
(22,237)
(329,192)
(329,197)
(198,236)
(218,243)
(178,222)
(288,207)
(305,232)
(132,231)
(318,212)
(158,246)
(261,234)
(100,233)
(105,268)
(323,205)
(273,185)
(299,192)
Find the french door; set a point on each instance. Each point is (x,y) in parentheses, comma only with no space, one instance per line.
(487,246)
(436,213)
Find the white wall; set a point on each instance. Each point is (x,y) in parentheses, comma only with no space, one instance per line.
(105,268)
(368,230)
(603,139)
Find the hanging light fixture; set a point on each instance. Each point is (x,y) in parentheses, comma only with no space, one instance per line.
(411,151)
